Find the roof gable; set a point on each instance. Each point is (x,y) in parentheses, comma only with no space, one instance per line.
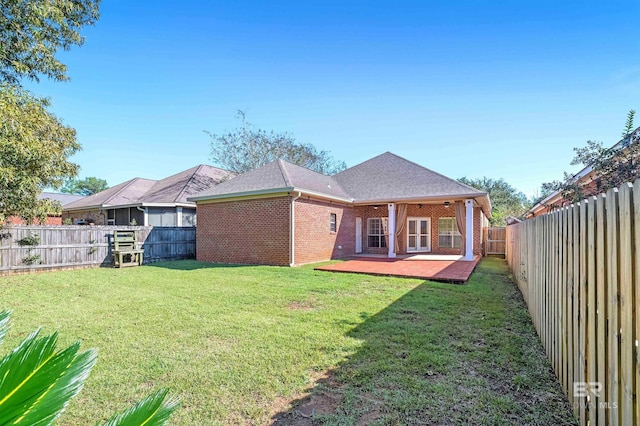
(390,177)
(278,175)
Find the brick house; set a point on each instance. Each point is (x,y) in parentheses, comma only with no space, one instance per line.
(283,214)
(587,178)
(146,201)
(52,219)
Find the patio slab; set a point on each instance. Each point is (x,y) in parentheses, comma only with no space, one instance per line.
(448,270)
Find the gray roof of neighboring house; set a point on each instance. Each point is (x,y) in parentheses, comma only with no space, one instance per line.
(385,178)
(172,190)
(276,176)
(176,188)
(63,199)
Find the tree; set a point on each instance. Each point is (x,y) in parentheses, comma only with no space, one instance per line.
(35,145)
(611,167)
(32,32)
(87,186)
(35,149)
(38,383)
(505,199)
(247,148)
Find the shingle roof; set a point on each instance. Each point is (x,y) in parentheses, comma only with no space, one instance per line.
(176,188)
(385,178)
(277,175)
(63,199)
(390,177)
(171,190)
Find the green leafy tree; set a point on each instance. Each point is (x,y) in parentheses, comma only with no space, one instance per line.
(35,144)
(33,31)
(87,186)
(611,167)
(38,382)
(247,148)
(35,149)
(505,199)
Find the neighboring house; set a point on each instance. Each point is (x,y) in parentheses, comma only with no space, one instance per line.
(146,201)
(52,219)
(283,214)
(586,178)
(512,220)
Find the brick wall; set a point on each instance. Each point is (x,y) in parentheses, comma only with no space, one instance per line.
(314,241)
(95,215)
(432,211)
(51,220)
(247,231)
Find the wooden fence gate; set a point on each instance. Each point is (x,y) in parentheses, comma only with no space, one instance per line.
(495,241)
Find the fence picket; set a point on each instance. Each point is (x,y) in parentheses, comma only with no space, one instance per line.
(613,331)
(590,305)
(626,341)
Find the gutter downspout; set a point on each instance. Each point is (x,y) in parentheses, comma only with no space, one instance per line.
(146,214)
(292,235)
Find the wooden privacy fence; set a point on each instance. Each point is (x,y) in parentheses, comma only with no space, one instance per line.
(495,241)
(579,269)
(42,247)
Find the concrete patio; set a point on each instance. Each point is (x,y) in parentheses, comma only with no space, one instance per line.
(429,267)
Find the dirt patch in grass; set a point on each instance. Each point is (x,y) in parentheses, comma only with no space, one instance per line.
(323,401)
(305,305)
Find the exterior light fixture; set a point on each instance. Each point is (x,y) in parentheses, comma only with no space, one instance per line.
(446,204)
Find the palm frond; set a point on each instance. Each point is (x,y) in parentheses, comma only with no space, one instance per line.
(38,382)
(154,410)
(4,324)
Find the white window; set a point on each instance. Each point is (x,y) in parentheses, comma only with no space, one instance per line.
(375,233)
(448,235)
(332,222)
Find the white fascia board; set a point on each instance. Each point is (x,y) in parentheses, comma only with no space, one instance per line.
(240,194)
(418,199)
(267,192)
(323,196)
(124,206)
(73,209)
(166,205)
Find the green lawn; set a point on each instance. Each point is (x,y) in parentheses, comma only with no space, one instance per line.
(240,345)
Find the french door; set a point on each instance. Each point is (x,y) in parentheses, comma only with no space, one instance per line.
(418,234)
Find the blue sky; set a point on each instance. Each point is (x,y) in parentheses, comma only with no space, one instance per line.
(503,89)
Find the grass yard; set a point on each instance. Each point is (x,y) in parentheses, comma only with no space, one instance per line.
(240,345)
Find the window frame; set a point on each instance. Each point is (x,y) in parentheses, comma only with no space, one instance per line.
(333,222)
(382,243)
(451,232)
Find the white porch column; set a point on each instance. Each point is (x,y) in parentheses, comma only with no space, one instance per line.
(179,216)
(392,230)
(469,230)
